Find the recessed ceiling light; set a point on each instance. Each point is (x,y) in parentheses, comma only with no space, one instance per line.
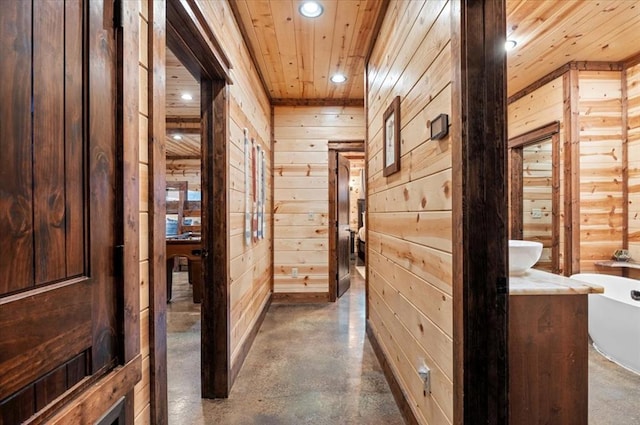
(510,45)
(311,9)
(177,137)
(338,78)
(186,96)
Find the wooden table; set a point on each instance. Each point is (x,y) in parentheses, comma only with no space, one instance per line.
(190,249)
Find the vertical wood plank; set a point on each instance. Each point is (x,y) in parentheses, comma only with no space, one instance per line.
(74,138)
(157,166)
(101,167)
(51,386)
(625,161)
(555,203)
(516,193)
(16,174)
(571,113)
(48,141)
(480,283)
(216,355)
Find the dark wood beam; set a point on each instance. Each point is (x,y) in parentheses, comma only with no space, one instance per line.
(480,219)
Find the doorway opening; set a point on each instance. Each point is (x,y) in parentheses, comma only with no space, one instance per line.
(346,168)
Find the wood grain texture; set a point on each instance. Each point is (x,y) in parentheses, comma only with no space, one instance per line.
(301,189)
(155,152)
(16,203)
(409,213)
(480,291)
(633,149)
(547,380)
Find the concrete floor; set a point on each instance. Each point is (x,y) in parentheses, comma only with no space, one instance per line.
(311,364)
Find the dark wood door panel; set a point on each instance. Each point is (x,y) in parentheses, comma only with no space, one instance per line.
(344,234)
(16,196)
(41,331)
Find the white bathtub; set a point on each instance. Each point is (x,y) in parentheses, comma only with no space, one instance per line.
(614,319)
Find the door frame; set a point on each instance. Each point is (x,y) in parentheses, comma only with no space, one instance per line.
(336,147)
(516,155)
(183,26)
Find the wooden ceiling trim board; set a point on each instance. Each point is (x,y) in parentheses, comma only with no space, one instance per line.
(317,102)
(632,60)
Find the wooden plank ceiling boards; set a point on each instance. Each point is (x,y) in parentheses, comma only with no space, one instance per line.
(551,33)
(183,116)
(296,56)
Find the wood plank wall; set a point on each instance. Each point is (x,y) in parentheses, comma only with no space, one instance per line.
(142,397)
(301,191)
(539,108)
(538,194)
(251,269)
(601,182)
(185,170)
(633,148)
(409,242)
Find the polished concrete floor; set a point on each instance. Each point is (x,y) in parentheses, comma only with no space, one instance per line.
(309,364)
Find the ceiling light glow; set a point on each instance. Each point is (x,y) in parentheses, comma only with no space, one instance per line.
(338,78)
(177,137)
(186,96)
(510,45)
(311,9)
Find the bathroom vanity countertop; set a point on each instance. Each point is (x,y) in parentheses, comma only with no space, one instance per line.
(537,282)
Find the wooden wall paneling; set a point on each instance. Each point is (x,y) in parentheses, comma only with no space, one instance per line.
(633,161)
(155,149)
(602,166)
(17,155)
(480,292)
(571,173)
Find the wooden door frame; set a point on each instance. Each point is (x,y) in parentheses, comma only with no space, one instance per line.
(334,147)
(516,204)
(182,25)
(479,201)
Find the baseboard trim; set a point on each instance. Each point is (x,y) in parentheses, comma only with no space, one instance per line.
(396,390)
(301,297)
(248,343)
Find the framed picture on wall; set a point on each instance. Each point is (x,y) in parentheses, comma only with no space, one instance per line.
(391,138)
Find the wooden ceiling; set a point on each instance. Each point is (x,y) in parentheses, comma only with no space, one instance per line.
(296,56)
(552,33)
(182,115)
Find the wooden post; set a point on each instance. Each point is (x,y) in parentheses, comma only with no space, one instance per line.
(480,284)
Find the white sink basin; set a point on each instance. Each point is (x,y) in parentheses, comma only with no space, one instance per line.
(523,255)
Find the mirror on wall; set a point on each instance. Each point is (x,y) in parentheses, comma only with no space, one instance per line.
(534,162)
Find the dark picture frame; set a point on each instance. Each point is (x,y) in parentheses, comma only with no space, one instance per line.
(391,138)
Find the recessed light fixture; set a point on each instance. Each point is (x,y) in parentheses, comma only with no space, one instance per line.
(510,45)
(338,78)
(311,9)
(186,96)
(177,137)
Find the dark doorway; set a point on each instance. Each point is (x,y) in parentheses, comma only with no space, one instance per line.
(340,235)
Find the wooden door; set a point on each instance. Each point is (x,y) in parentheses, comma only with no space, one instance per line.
(343,233)
(58,302)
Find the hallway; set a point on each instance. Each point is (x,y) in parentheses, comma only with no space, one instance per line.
(309,364)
